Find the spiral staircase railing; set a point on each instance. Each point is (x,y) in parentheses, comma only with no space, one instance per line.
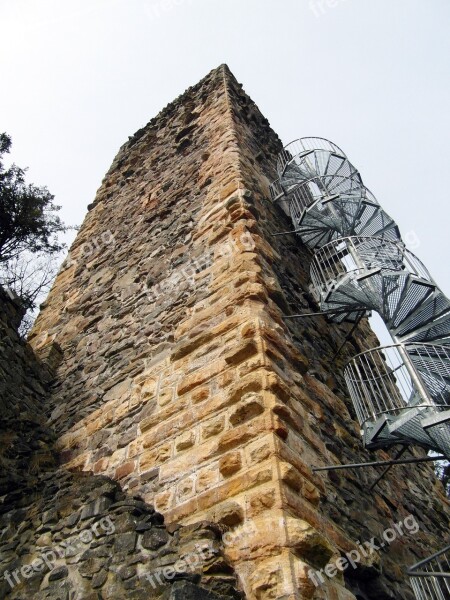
(401,393)
(304,146)
(430,578)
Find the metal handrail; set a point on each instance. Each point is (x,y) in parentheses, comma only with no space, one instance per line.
(276,190)
(314,142)
(432,583)
(324,182)
(411,344)
(317,189)
(358,255)
(305,144)
(411,570)
(387,379)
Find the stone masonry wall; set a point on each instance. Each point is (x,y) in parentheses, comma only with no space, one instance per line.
(26,442)
(67,536)
(180,379)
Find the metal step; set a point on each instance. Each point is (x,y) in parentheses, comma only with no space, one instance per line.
(376,433)
(435,307)
(312,163)
(438,428)
(422,426)
(412,293)
(408,426)
(431,332)
(342,218)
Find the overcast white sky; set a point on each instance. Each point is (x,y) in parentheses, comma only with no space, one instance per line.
(79,76)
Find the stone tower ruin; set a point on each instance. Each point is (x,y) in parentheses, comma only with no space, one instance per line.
(171,370)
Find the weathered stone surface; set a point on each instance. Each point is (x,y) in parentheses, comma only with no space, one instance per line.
(183,590)
(119,546)
(230,463)
(65,535)
(176,374)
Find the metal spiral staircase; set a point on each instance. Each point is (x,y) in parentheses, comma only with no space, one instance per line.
(430,578)
(401,392)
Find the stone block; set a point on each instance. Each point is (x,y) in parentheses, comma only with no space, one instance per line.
(199,377)
(229,514)
(163,501)
(230,463)
(154,538)
(185,489)
(246,410)
(291,476)
(261,502)
(259,452)
(207,478)
(153,458)
(101,465)
(125,470)
(241,352)
(213,427)
(184,441)
(200,394)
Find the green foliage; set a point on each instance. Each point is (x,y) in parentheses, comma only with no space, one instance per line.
(29,229)
(28,219)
